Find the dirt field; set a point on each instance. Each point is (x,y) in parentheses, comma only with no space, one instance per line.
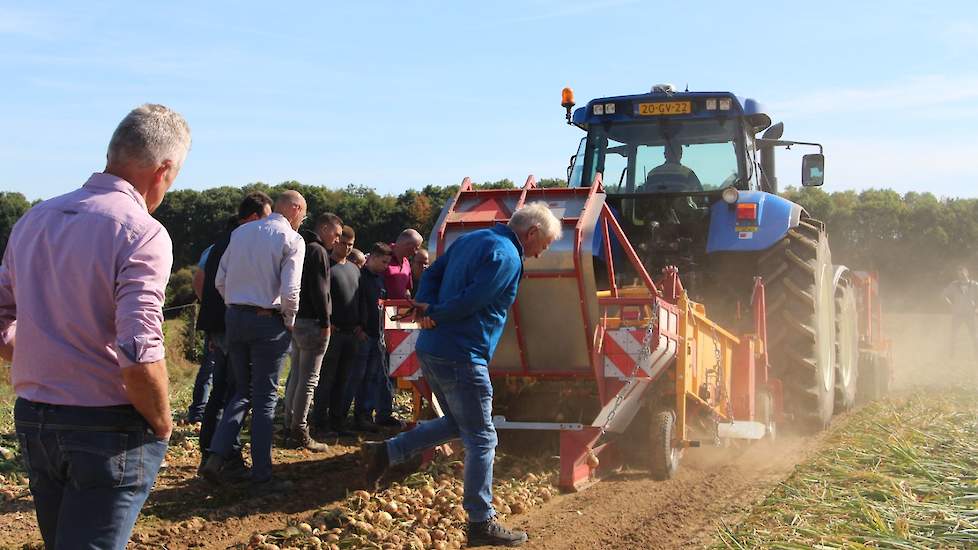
(627,511)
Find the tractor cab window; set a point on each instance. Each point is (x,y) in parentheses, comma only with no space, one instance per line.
(665,156)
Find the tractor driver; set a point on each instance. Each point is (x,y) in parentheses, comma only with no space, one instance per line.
(671,175)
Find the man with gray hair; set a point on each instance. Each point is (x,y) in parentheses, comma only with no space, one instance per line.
(81,290)
(464,298)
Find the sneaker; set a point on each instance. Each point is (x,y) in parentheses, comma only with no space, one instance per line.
(376,461)
(211,470)
(491,533)
(272,486)
(303,441)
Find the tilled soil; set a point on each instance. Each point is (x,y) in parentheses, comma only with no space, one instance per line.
(183,511)
(631,510)
(628,510)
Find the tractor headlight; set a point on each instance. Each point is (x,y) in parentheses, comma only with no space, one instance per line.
(730,195)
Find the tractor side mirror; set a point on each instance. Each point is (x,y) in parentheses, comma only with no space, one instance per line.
(813,170)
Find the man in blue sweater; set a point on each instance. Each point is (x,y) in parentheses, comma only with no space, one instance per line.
(465,297)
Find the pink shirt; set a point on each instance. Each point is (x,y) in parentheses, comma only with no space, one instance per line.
(397,278)
(82,284)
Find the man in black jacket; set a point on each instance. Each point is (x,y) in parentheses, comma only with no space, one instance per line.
(311,333)
(254,206)
(368,382)
(345,336)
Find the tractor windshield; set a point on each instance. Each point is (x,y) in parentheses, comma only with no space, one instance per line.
(664,156)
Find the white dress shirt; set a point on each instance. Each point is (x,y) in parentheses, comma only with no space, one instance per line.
(262,267)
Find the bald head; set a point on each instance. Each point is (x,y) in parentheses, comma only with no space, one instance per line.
(292,206)
(408,242)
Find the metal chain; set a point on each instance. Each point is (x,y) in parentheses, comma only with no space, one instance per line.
(643,355)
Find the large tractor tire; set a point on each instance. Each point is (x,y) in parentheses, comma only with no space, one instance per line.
(663,458)
(846,347)
(798,278)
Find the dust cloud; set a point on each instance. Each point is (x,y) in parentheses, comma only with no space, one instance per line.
(921,352)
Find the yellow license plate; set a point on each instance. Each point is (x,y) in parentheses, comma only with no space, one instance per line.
(665,108)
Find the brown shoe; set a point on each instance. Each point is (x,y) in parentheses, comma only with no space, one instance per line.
(302,440)
(376,461)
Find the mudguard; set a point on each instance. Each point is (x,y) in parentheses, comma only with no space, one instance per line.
(775,216)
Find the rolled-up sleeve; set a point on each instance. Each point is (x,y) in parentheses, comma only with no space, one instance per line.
(139,292)
(8,306)
(291,274)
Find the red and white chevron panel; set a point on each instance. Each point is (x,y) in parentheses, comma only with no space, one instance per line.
(623,348)
(403,360)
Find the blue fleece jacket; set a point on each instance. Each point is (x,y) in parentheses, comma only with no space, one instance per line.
(470,289)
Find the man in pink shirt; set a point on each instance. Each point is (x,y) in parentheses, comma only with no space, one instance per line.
(397,278)
(81,297)
(398,284)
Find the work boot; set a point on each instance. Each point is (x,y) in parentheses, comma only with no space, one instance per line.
(364,424)
(491,533)
(211,470)
(377,461)
(235,471)
(302,440)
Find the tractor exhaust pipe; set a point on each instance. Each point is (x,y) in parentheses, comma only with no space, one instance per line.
(769,177)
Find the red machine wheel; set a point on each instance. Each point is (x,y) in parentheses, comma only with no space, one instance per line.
(663,455)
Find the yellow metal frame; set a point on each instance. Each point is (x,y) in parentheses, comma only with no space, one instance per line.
(696,363)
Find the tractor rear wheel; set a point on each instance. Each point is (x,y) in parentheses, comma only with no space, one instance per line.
(846,347)
(798,278)
(663,455)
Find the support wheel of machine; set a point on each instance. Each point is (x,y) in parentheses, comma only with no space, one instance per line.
(874,377)
(798,277)
(846,347)
(663,455)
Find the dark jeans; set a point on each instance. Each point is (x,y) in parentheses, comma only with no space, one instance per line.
(465,394)
(257,345)
(221,392)
(368,385)
(202,384)
(968,322)
(90,469)
(328,412)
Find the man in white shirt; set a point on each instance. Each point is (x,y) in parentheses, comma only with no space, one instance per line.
(258,277)
(962,296)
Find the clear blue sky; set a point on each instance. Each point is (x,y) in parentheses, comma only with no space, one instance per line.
(401,94)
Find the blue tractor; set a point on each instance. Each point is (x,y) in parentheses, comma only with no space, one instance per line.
(691,179)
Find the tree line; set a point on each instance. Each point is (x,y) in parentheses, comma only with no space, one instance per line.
(915,241)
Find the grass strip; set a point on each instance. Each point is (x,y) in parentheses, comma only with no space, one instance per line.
(899,473)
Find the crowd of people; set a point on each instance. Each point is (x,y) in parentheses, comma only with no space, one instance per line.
(269,290)
(82,285)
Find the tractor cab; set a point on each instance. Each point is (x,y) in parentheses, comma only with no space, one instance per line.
(664,142)
(671,161)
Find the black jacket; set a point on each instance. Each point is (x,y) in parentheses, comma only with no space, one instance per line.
(371,293)
(211,316)
(314,295)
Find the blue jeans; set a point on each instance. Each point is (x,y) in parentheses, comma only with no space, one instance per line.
(202,384)
(362,384)
(90,469)
(465,395)
(221,392)
(257,345)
